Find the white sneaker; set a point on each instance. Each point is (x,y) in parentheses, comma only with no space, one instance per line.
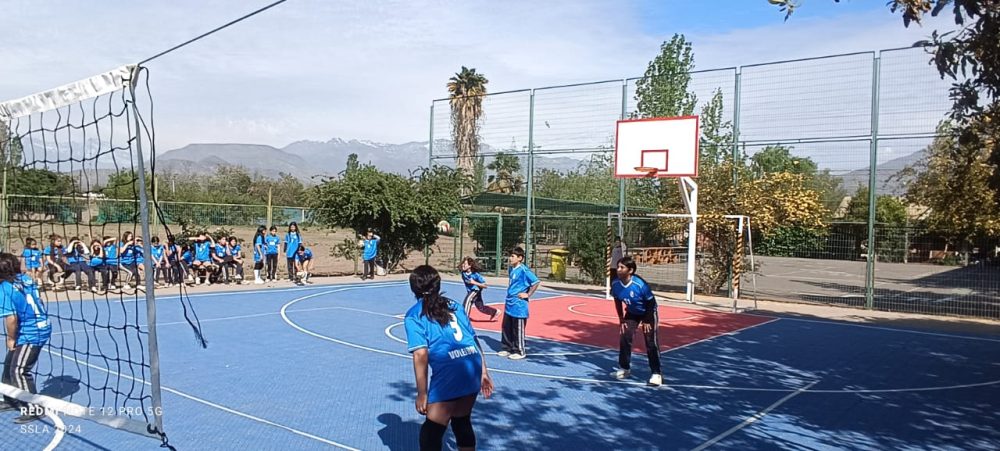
(503,353)
(656,380)
(517,356)
(621,374)
(258,282)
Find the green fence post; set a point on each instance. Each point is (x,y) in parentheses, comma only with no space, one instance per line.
(528,243)
(872,161)
(499,258)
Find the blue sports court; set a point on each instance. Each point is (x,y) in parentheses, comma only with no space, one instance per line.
(325,367)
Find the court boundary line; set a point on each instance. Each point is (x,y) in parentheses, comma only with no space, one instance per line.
(60,429)
(754,418)
(637,383)
(882,328)
(571,309)
(393,337)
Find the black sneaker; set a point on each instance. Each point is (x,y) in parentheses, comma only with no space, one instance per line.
(25,419)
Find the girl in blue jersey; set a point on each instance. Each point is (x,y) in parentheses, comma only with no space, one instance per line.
(475,284)
(159,254)
(96,263)
(303,263)
(271,243)
(55,259)
(32,259)
(27,328)
(175,270)
(521,286)
(292,241)
(234,260)
(440,336)
(259,251)
(633,293)
(111,260)
(78,262)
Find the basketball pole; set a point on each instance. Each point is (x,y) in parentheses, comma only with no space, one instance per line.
(689,192)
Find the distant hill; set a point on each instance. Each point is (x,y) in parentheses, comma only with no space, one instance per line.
(885,182)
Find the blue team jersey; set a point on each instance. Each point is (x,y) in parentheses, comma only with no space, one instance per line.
(95,260)
(128,255)
(32,258)
(371,247)
(452,353)
(157,250)
(306,255)
(220,250)
(187,257)
(258,243)
(22,299)
(636,295)
(521,278)
(202,251)
(271,243)
(175,251)
(56,255)
(235,250)
(76,255)
(111,254)
(292,240)
(474,277)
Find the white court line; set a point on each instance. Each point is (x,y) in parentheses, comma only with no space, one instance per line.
(754,418)
(634,383)
(388,333)
(60,428)
(573,307)
(224,408)
(889,329)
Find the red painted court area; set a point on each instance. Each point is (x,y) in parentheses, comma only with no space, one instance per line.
(594,322)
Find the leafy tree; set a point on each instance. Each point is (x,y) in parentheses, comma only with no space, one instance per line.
(466,90)
(717,135)
(970,57)
(404,211)
(773,159)
(663,89)
(952,184)
(888,209)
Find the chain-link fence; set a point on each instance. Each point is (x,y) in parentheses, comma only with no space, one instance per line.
(853,123)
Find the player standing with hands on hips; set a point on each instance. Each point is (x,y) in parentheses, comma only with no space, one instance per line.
(521,286)
(639,311)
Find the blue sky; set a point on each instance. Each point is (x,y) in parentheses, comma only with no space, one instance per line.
(318,69)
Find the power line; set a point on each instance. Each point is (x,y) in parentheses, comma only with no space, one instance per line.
(196,38)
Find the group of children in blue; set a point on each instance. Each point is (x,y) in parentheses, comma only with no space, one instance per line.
(203,260)
(441,339)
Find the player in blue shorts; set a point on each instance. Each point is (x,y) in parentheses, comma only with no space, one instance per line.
(32,259)
(440,336)
(632,292)
(27,328)
(474,286)
(521,286)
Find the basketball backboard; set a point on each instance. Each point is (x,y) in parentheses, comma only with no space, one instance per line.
(657,147)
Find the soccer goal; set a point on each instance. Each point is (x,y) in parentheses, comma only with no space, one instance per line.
(721,255)
(74,204)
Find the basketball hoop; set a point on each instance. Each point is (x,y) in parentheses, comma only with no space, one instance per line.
(649,170)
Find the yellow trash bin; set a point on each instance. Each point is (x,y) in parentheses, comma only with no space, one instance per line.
(558,259)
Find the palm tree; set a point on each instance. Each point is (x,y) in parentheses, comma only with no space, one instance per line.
(467,90)
(508,174)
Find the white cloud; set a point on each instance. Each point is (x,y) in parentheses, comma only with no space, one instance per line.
(312,69)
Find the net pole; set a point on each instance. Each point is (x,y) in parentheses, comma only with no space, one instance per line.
(689,189)
(154,354)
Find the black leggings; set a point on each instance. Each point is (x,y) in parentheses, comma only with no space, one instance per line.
(272,266)
(291,268)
